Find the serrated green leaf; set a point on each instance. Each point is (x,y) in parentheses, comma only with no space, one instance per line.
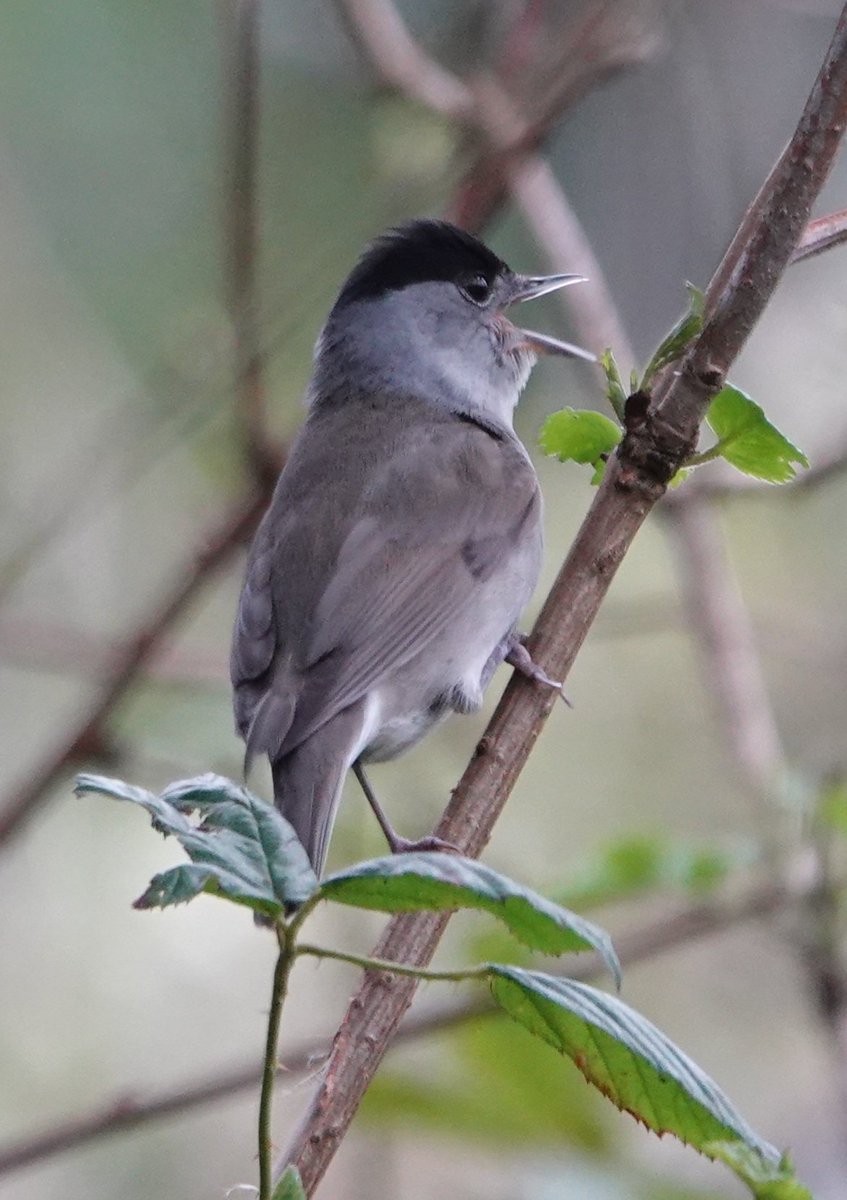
(747,439)
(289,1185)
(242,849)
(579,435)
(615,390)
(766,1180)
(676,342)
(626,1057)
(435,882)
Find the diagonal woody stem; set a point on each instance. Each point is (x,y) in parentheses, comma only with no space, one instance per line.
(654,445)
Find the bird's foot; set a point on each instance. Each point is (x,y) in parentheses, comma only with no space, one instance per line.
(520,658)
(396,843)
(401,845)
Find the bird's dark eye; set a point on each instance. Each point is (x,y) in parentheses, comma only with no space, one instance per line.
(475,288)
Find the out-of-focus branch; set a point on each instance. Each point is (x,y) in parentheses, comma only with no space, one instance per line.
(656,441)
(763,246)
(241,23)
(821,234)
(536,192)
(599,40)
(721,623)
(586,45)
(399,63)
(679,925)
(55,647)
(85,738)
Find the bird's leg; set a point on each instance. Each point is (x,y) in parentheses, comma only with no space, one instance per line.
(396,843)
(520,658)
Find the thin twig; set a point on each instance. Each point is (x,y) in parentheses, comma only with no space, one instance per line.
(823,233)
(636,477)
(240,162)
(84,739)
(398,62)
(536,192)
(761,250)
(721,623)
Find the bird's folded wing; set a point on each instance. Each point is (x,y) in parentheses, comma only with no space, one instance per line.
(409,562)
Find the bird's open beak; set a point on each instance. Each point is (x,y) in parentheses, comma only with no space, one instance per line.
(528,287)
(541,343)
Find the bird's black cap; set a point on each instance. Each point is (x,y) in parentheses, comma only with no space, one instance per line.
(418,252)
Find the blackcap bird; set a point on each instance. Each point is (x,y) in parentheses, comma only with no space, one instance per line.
(385,582)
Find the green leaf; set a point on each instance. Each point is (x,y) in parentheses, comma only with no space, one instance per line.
(677,341)
(749,441)
(242,849)
(627,1058)
(580,436)
(766,1180)
(289,1185)
(615,390)
(435,881)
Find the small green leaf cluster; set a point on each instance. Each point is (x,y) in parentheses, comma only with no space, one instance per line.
(241,849)
(745,437)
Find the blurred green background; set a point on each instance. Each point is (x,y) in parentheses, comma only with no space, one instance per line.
(119,447)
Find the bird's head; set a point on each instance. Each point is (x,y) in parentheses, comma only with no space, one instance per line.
(424,312)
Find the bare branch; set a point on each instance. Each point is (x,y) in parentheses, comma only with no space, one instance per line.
(537,193)
(241,19)
(762,248)
(383,40)
(84,739)
(821,234)
(721,623)
(602,38)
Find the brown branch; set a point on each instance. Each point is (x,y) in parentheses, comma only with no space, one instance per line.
(86,736)
(573,52)
(241,19)
(763,246)
(821,234)
(656,442)
(536,192)
(599,40)
(84,739)
(678,926)
(721,624)
(378,32)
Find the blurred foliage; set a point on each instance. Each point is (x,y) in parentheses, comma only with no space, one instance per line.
(495,1084)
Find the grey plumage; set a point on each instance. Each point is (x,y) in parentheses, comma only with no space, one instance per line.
(386,580)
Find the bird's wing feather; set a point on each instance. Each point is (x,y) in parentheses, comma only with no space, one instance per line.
(408,541)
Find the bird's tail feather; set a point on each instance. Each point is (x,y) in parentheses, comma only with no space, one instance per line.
(308,781)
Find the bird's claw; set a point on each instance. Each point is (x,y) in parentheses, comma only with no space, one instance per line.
(521,659)
(401,845)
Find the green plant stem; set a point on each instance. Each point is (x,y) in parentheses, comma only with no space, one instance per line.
(697,460)
(284,963)
(382,964)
